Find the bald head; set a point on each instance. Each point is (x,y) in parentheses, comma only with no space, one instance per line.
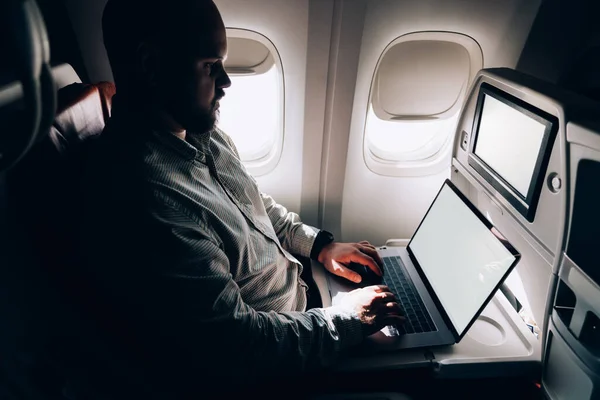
(126,24)
(170,53)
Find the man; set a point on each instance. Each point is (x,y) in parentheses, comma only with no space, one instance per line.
(194,257)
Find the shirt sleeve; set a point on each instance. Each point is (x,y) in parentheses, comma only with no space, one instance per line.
(199,305)
(294,236)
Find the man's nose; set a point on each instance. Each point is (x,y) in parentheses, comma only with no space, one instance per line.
(224,81)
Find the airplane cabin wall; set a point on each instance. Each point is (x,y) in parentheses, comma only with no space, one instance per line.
(376,207)
(317,71)
(335,35)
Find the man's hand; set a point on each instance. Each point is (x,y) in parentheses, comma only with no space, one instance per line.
(337,256)
(376,307)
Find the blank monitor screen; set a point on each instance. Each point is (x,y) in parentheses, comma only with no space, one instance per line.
(461,255)
(510,148)
(502,131)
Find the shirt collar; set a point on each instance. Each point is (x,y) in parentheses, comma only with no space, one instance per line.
(200,141)
(196,146)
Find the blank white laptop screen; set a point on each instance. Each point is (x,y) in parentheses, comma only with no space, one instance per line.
(509,142)
(460,257)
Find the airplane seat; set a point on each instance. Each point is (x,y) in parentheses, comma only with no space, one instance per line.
(83,110)
(44,192)
(27,105)
(50,171)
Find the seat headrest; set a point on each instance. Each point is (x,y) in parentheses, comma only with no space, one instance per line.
(83,110)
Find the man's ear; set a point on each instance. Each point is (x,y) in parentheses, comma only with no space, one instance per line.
(147,63)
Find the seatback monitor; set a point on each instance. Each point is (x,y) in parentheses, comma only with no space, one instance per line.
(511,145)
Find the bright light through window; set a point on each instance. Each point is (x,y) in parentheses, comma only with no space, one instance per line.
(251,113)
(407,141)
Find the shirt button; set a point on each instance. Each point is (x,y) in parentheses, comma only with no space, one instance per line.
(202,158)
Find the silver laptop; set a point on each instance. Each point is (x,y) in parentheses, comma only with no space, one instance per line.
(451,269)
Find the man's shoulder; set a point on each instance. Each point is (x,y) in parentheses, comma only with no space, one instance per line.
(119,150)
(125,160)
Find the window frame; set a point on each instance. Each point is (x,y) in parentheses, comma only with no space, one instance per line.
(440,160)
(269,161)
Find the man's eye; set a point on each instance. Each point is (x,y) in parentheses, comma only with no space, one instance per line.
(208,66)
(212,68)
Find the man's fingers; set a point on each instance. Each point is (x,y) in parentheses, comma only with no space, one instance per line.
(384,297)
(371,251)
(344,272)
(390,308)
(367,244)
(379,288)
(364,258)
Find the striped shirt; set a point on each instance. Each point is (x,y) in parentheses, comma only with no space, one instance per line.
(189,248)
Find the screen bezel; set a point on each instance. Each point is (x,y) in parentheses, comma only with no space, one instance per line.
(458,336)
(525,205)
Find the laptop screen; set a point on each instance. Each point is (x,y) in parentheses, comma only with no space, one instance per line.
(461,255)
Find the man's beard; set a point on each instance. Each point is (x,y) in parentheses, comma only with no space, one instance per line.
(202,121)
(206,120)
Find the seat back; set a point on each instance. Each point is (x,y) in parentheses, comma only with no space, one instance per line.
(45,185)
(82,112)
(44,196)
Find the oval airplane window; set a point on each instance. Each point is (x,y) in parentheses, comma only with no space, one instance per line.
(252,110)
(416,94)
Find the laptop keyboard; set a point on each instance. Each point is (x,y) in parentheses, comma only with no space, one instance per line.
(418,319)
